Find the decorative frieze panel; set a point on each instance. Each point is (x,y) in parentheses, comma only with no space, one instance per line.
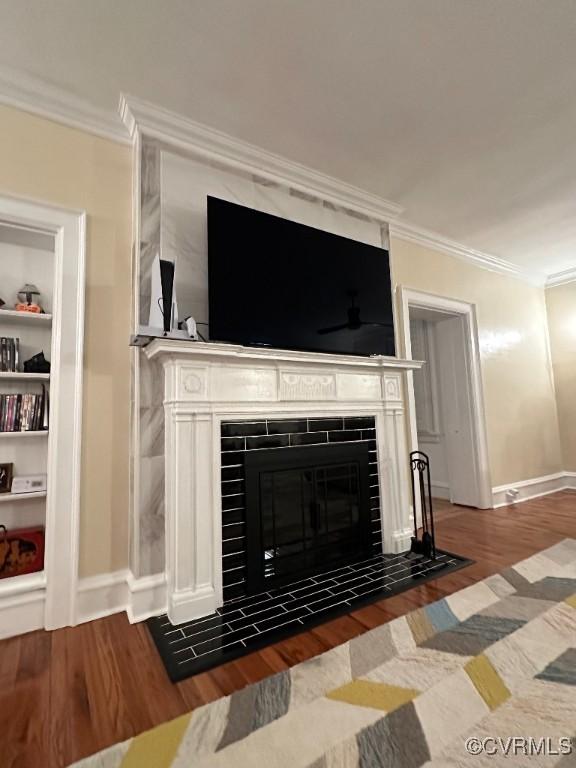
(307,386)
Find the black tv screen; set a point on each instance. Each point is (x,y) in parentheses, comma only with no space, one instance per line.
(276,283)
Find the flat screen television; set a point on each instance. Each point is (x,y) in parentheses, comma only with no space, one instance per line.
(276,283)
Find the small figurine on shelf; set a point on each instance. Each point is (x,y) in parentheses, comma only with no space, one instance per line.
(26,301)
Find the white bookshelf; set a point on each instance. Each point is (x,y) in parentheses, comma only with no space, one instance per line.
(28,451)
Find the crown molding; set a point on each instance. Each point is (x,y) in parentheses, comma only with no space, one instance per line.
(200,140)
(31,94)
(561,278)
(411,233)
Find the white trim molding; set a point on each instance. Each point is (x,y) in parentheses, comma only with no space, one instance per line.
(411,233)
(407,298)
(34,95)
(22,604)
(201,140)
(108,593)
(31,94)
(524,490)
(561,278)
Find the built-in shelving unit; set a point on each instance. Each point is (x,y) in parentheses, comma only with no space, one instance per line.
(22,262)
(32,253)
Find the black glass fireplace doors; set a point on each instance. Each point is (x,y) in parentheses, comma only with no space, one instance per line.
(307,508)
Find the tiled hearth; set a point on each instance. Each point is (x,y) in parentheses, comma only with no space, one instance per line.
(245,624)
(240,437)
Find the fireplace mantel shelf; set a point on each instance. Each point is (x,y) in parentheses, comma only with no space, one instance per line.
(202,350)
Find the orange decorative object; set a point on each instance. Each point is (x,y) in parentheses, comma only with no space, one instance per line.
(35,308)
(21,551)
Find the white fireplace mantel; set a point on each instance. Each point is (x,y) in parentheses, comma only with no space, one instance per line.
(207,383)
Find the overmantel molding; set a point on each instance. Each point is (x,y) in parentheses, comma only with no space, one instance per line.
(198,140)
(141,118)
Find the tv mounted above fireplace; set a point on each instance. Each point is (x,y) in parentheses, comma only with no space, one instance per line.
(276,283)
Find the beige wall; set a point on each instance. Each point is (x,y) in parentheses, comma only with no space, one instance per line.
(51,163)
(522,426)
(48,162)
(561,305)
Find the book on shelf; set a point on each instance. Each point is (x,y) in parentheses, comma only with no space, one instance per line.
(24,412)
(9,354)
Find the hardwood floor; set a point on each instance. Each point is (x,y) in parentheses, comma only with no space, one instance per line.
(72,692)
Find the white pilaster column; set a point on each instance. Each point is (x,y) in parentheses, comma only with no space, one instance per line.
(394,479)
(193,559)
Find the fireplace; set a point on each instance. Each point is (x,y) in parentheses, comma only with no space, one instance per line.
(280,467)
(306,508)
(222,403)
(297,495)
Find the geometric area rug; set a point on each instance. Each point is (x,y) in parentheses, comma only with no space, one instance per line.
(485,677)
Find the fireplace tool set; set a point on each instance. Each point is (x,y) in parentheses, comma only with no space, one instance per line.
(422,544)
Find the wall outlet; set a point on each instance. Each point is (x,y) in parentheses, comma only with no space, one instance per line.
(512,494)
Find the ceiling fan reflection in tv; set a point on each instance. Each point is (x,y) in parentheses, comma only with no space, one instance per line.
(354,322)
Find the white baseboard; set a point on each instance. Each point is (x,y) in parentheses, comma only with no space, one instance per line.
(109,593)
(147,596)
(441,491)
(101,595)
(524,490)
(22,613)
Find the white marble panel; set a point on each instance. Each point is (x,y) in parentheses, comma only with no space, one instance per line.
(186,184)
(339,223)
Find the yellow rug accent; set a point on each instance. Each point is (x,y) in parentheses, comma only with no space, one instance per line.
(365,693)
(487,681)
(157,748)
(421,626)
(571,601)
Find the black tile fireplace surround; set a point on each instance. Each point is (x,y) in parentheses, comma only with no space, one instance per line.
(320,443)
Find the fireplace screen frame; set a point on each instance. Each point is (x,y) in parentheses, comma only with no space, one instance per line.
(305,458)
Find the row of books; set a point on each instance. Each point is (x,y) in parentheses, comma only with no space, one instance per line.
(9,354)
(24,412)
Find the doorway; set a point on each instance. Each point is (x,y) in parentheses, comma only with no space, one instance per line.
(445,396)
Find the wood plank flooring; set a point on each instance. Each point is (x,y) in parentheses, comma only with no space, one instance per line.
(72,692)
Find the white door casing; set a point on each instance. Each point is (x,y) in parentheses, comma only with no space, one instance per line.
(473,486)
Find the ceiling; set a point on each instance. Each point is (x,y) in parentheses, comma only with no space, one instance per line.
(461,111)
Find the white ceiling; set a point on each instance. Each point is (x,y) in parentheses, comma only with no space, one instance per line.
(461,111)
